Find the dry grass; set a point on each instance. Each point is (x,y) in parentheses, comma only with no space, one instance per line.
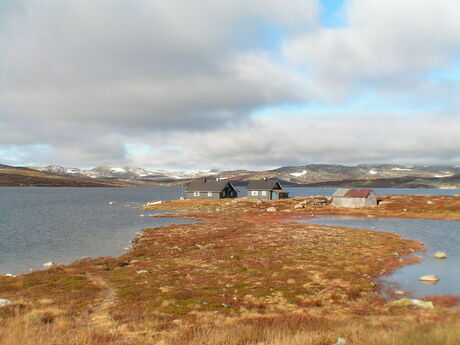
(240,278)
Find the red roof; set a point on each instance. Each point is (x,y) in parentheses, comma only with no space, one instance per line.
(357,193)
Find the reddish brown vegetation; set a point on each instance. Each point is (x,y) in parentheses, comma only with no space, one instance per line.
(241,277)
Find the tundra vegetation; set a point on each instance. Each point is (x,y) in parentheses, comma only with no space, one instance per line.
(242,275)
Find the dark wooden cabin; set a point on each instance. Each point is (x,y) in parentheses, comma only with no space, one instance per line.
(210,189)
(266,189)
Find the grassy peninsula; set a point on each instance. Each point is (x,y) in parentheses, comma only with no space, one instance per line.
(243,275)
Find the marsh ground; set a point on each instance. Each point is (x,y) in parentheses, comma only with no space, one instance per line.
(239,277)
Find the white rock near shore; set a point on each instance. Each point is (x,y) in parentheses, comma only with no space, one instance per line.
(48,264)
(440,255)
(429,278)
(406,302)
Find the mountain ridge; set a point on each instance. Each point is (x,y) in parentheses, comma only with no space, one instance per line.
(305,175)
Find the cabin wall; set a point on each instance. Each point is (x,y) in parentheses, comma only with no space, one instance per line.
(370,201)
(229,192)
(203,195)
(259,195)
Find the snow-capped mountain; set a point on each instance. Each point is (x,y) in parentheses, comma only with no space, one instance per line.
(125,172)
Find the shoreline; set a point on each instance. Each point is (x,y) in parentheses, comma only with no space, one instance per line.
(240,266)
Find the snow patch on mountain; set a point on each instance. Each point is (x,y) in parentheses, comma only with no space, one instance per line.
(298,174)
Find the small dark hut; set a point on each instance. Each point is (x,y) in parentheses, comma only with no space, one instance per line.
(266,189)
(210,189)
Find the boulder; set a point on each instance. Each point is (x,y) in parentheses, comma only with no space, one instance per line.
(271,209)
(4,302)
(341,341)
(440,255)
(429,278)
(399,292)
(301,205)
(142,271)
(84,259)
(48,264)
(407,302)
(157,202)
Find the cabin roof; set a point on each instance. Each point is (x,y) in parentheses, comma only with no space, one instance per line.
(352,193)
(340,192)
(208,185)
(264,185)
(358,193)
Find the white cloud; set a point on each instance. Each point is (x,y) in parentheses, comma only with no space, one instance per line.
(384,44)
(287,140)
(90,82)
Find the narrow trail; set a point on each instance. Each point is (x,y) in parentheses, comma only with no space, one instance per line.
(100,317)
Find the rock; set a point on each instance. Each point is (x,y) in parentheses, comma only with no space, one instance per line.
(341,341)
(48,264)
(301,205)
(4,302)
(440,255)
(400,292)
(84,259)
(142,271)
(290,281)
(429,278)
(153,203)
(10,275)
(259,202)
(271,209)
(112,202)
(407,302)
(429,202)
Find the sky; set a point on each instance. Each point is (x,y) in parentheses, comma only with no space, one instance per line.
(229,84)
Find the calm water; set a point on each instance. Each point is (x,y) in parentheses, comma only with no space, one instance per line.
(44,224)
(436,235)
(38,225)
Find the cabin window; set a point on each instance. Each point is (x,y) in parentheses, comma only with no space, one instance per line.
(196,193)
(254,193)
(209,193)
(263,193)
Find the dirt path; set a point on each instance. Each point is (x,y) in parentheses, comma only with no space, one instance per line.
(100,317)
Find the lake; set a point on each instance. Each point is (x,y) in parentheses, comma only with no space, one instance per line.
(41,224)
(436,235)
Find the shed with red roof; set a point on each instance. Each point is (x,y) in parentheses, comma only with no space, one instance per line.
(354,198)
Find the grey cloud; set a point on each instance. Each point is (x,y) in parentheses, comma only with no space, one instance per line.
(339,139)
(160,64)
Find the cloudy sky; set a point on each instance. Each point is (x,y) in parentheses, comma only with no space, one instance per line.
(229,84)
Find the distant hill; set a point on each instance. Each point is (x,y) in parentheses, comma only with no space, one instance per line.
(397,182)
(19,176)
(370,175)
